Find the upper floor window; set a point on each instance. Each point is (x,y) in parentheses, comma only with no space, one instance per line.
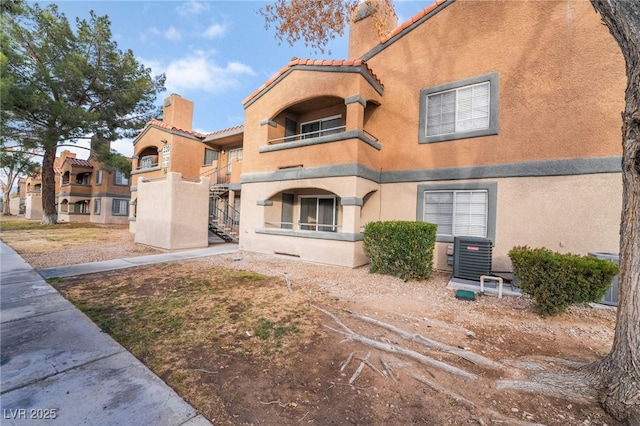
(66,176)
(99,177)
(83,178)
(210,156)
(147,162)
(463,109)
(121,178)
(233,153)
(322,127)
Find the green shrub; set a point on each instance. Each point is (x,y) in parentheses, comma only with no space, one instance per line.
(400,248)
(555,281)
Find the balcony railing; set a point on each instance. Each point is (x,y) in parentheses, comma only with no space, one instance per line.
(308,135)
(147,166)
(320,137)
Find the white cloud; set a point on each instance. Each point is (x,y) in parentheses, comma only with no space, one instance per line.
(172,34)
(192,8)
(215,30)
(198,71)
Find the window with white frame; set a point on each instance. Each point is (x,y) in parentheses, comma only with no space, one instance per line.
(464,109)
(318,213)
(120,207)
(322,127)
(457,212)
(99,177)
(97,206)
(233,153)
(121,178)
(146,162)
(459,209)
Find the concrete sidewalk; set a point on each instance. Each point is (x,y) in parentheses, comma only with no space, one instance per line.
(56,364)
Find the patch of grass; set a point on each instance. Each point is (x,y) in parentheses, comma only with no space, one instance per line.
(183,319)
(265,329)
(54,280)
(247,276)
(27,225)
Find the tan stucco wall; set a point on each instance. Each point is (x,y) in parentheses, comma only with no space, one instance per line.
(344,253)
(33,206)
(568,214)
(287,93)
(173,213)
(561,83)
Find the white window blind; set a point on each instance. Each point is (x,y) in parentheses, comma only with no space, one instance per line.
(458,110)
(457,212)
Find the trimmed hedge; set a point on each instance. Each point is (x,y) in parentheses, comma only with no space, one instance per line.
(400,248)
(555,281)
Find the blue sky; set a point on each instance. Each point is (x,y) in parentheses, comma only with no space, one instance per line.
(214,53)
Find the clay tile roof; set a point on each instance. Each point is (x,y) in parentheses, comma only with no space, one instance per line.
(78,162)
(415,18)
(223,131)
(295,62)
(158,123)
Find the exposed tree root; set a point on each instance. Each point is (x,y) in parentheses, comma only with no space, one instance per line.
(574,386)
(573,382)
(462,353)
(351,335)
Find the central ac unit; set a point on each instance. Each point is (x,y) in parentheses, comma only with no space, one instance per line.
(471,257)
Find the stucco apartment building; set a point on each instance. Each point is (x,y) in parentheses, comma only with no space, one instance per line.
(193,180)
(84,192)
(493,119)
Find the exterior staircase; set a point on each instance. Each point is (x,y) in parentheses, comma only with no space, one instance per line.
(224,219)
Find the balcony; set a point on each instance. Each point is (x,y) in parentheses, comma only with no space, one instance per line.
(317,137)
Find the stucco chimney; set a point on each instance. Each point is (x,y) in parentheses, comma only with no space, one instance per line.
(371,20)
(178,112)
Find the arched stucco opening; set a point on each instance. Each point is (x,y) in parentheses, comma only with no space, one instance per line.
(148,157)
(315,117)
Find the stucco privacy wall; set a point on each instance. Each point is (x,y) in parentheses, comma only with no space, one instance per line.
(569,214)
(33,206)
(173,213)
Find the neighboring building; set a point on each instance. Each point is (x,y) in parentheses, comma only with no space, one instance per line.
(496,119)
(84,192)
(171,146)
(18,200)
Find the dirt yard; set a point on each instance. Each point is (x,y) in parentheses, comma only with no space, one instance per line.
(258,339)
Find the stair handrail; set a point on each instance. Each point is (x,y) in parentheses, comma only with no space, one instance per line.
(225,216)
(220,178)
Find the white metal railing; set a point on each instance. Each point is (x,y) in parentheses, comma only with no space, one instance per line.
(308,135)
(298,226)
(147,166)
